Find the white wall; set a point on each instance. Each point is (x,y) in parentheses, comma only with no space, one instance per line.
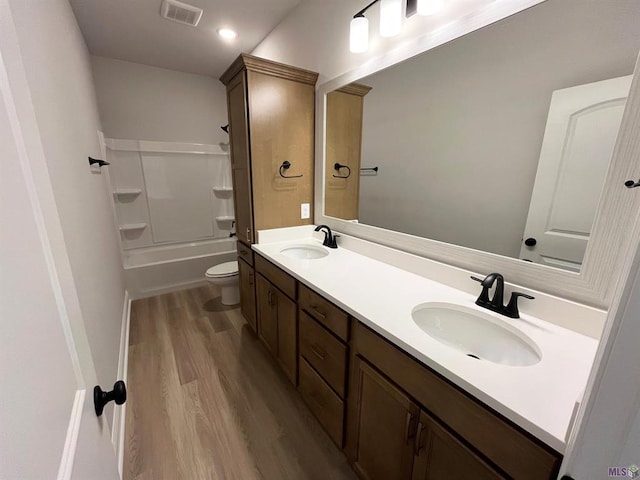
(141,102)
(316,34)
(27,327)
(457,131)
(58,74)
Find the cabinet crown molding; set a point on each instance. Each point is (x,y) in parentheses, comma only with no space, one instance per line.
(355,89)
(269,67)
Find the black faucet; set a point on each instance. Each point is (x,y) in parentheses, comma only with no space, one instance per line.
(496,303)
(329,238)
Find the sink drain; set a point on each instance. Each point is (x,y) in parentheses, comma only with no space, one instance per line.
(473,356)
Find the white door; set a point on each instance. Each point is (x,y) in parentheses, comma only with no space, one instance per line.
(581,131)
(48,426)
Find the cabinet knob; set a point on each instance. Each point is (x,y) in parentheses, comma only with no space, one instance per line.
(530,242)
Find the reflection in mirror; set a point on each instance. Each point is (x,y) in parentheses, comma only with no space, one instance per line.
(344,131)
(499,140)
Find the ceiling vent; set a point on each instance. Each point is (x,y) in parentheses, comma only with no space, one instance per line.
(181,12)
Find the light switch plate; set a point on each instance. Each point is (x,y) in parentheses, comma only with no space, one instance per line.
(305,210)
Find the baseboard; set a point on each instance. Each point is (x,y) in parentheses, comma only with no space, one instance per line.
(119,412)
(71,442)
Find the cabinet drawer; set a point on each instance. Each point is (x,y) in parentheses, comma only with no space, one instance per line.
(277,276)
(245,253)
(324,352)
(324,311)
(505,444)
(322,401)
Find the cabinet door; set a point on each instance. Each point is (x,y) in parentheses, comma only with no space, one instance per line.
(247,293)
(282,129)
(383,428)
(278,325)
(267,318)
(441,456)
(240,158)
(287,322)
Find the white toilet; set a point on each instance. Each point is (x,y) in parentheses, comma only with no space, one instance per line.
(225,276)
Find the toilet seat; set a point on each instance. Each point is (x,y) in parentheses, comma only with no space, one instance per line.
(223,270)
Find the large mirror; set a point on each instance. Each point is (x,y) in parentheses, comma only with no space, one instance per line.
(499,141)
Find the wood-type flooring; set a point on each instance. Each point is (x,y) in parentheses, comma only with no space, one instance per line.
(206,400)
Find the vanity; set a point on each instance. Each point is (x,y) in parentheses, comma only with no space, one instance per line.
(476,154)
(347,330)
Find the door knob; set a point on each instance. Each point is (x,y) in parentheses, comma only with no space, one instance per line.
(101,398)
(530,242)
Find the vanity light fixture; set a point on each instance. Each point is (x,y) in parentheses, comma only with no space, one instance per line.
(390,19)
(359,31)
(227,33)
(359,34)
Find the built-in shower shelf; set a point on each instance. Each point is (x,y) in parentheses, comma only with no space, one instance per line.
(222,189)
(132,226)
(225,218)
(123,192)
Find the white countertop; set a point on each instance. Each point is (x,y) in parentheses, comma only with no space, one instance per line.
(539,398)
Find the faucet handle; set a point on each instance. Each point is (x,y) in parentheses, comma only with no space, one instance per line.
(483,299)
(511,310)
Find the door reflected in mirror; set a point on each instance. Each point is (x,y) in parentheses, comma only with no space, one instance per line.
(498,141)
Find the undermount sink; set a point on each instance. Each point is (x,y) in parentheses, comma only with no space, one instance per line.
(475,334)
(304,252)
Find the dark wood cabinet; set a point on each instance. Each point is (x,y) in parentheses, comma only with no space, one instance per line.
(438,455)
(240,160)
(247,293)
(395,417)
(383,426)
(277,325)
(324,352)
(267,314)
(391,437)
(263,135)
(323,402)
(475,437)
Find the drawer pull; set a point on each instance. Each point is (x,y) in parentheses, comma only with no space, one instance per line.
(319,312)
(317,351)
(419,443)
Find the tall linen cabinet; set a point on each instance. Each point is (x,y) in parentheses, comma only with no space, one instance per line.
(271,108)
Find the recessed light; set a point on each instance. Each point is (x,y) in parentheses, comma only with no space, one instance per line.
(227,33)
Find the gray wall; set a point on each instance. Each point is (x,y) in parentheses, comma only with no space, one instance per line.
(58,73)
(457,131)
(141,102)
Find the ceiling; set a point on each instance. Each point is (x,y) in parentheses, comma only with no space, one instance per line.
(133,30)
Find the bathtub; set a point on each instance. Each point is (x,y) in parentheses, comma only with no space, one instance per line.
(155,270)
